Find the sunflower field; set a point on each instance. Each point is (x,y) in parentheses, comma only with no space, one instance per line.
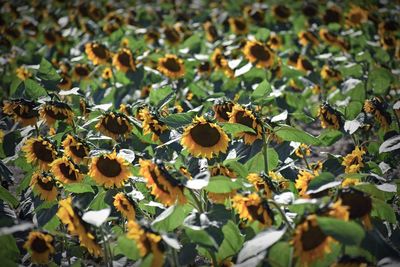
(200,133)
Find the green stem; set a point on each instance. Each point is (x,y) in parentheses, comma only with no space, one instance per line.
(304,158)
(283,215)
(265,150)
(175,258)
(37,129)
(65,244)
(105,248)
(198,203)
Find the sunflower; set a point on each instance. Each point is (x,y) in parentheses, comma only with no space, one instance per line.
(388,42)
(307,38)
(260,54)
(23,73)
(44,185)
(238,25)
(329,117)
(152,125)
(97,53)
(75,148)
(332,15)
(222,110)
(81,72)
(66,171)
(292,59)
(114,124)
(332,39)
(171,66)
(151,36)
(303,179)
(261,183)
(124,205)
(204,139)
(356,16)
(204,68)
(359,203)
(147,242)
(303,149)
(246,117)
(347,182)
(339,211)
(211,31)
(330,74)
(109,170)
(22,111)
(389,27)
(377,107)
(354,161)
(164,187)
(348,261)
(107,73)
(304,64)
(172,35)
(52,37)
(123,60)
(224,171)
(65,83)
(274,41)
(310,243)
(310,10)
(53,111)
(40,246)
(281,12)
(40,151)
(221,63)
(255,14)
(252,207)
(70,216)
(279,179)
(316,167)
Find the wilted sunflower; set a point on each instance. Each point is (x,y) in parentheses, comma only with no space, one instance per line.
(354,161)
(252,207)
(217,170)
(377,107)
(70,216)
(238,25)
(259,54)
(310,243)
(261,183)
(204,139)
(222,109)
(147,242)
(123,60)
(246,117)
(65,83)
(164,187)
(22,111)
(97,53)
(329,117)
(221,63)
(303,179)
(40,151)
(356,16)
(307,38)
(114,124)
(109,170)
(152,125)
(81,72)
(281,12)
(66,171)
(23,73)
(53,111)
(40,246)
(211,31)
(43,184)
(332,15)
(124,205)
(359,203)
(171,66)
(75,148)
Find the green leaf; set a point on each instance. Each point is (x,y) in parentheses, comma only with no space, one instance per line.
(16,87)
(9,251)
(257,163)
(289,133)
(348,233)
(232,243)
(262,34)
(171,218)
(237,167)
(98,202)
(221,184)
(52,224)
(157,95)
(374,191)
(320,180)
(352,110)
(279,254)
(383,211)
(263,89)
(33,89)
(329,137)
(193,42)
(379,80)
(234,128)
(201,238)
(179,119)
(127,247)
(47,72)
(8,197)
(78,188)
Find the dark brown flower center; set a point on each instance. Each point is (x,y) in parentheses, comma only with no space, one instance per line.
(240,24)
(212,31)
(332,16)
(100,51)
(310,10)
(47,186)
(79,152)
(172,35)
(306,64)
(312,238)
(391,25)
(25,114)
(39,245)
(245,120)
(360,204)
(223,110)
(205,135)
(282,11)
(124,59)
(259,52)
(42,152)
(253,211)
(356,17)
(112,125)
(108,167)
(205,66)
(159,185)
(172,65)
(68,173)
(50,111)
(81,71)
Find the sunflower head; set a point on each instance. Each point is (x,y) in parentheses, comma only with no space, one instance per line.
(303,179)
(354,161)
(356,16)
(23,73)
(81,72)
(329,117)
(109,170)
(377,107)
(211,31)
(259,54)
(359,203)
(332,15)
(65,83)
(172,35)
(171,66)
(303,150)
(217,170)
(204,68)
(97,53)
(123,60)
(75,148)
(107,73)
(204,139)
(43,184)
(238,25)
(222,110)
(281,12)
(66,171)
(330,74)
(51,37)
(248,118)
(53,111)
(304,65)
(164,186)
(307,37)
(40,150)
(338,210)
(310,10)
(348,261)
(278,179)
(114,124)
(151,36)
(125,205)
(40,246)
(256,15)
(274,41)
(261,183)
(22,111)
(388,42)
(151,124)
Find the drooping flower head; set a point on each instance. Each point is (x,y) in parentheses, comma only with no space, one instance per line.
(66,171)
(261,183)
(22,111)
(124,205)
(218,170)
(97,53)
(44,184)
(247,117)
(303,179)
(222,110)
(354,161)
(40,246)
(53,111)
(359,203)
(75,148)
(41,151)
(329,117)
(252,207)
(152,124)
(259,54)
(238,25)
(114,125)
